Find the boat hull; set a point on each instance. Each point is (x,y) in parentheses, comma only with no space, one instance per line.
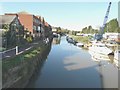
(99,56)
(117,58)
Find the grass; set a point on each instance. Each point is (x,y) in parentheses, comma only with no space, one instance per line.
(19,59)
(83,39)
(2,49)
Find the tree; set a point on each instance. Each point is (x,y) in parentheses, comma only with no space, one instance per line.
(89,29)
(59,28)
(112,26)
(74,32)
(84,30)
(6,27)
(95,30)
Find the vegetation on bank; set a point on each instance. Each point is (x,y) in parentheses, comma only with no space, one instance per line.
(111,26)
(82,39)
(19,59)
(2,49)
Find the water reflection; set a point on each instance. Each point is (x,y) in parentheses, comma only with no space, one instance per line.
(107,69)
(109,74)
(71,67)
(56,40)
(37,72)
(104,58)
(111,57)
(74,62)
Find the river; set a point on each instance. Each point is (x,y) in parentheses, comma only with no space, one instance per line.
(68,66)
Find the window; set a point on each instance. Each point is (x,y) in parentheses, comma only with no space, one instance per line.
(34,27)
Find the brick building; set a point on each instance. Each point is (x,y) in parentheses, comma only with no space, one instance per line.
(13,30)
(31,22)
(36,25)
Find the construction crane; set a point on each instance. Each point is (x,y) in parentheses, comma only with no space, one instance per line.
(99,36)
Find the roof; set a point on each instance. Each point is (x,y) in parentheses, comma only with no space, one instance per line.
(42,19)
(23,12)
(38,16)
(46,24)
(7,19)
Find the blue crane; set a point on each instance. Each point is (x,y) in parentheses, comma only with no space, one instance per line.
(99,36)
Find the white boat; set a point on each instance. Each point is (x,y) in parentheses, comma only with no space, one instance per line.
(100,58)
(79,44)
(111,43)
(100,48)
(117,57)
(100,51)
(55,35)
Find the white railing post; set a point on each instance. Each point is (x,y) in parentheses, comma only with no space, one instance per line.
(16,50)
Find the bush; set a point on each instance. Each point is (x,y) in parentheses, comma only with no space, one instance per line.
(83,39)
(29,39)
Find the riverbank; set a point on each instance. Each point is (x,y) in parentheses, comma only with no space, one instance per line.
(17,71)
(82,39)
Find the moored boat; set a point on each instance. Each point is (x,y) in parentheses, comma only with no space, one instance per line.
(100,48)
(80,44)
(117,57)
(100,51)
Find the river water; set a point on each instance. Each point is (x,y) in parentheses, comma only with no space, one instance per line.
(68,66)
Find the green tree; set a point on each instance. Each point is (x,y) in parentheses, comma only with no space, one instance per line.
(84,30)
(74,32)
(6,27)
(112,26)
(95,30)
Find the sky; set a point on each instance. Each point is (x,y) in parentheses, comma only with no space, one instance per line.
(68,15)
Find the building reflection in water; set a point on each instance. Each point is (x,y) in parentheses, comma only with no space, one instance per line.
(56,40)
